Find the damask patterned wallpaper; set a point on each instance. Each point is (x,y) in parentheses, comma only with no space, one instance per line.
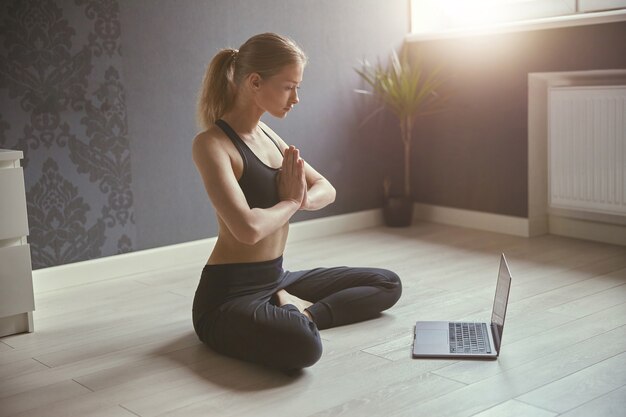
(62,103)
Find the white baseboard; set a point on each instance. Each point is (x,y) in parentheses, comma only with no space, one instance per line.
(491,222)
(589,230)
(100,269)
(188,253)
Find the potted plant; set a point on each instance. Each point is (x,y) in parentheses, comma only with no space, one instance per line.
(409,91)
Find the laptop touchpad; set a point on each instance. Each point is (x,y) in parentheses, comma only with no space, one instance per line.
(432,337)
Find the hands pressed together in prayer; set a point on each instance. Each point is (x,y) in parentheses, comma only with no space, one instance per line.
(292,184)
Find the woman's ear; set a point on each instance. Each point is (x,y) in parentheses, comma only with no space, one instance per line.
(254,80)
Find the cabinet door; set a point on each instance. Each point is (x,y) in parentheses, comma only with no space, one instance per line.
(16,281)
(13,220)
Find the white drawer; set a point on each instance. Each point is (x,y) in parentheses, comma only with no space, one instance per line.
(13,219)
(16,281)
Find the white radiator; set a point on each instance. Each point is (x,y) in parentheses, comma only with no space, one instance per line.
(587,149)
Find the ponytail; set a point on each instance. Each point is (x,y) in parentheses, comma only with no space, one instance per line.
(217,93)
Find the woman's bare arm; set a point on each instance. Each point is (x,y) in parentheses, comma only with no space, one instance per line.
(320,191)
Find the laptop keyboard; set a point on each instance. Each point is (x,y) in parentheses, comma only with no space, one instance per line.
(469,338)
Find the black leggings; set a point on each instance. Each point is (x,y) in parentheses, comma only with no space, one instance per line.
(235,311)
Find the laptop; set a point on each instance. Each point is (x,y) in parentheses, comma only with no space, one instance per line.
(443,339)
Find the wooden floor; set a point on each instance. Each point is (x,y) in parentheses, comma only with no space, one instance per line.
(126,347)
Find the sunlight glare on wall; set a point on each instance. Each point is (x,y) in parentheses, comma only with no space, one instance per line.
(429,16)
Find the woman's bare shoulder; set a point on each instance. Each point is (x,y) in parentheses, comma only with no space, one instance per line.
(208,137)
(210,146)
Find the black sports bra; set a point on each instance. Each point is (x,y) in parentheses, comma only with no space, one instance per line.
(258,181)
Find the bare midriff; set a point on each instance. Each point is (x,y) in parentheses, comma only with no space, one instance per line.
(229,250)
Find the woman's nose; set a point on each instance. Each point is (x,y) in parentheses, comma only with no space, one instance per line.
(294,97)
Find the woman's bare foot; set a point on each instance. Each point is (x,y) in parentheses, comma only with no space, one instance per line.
(285,298)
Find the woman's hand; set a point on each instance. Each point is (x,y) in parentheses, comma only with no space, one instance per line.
(291,180)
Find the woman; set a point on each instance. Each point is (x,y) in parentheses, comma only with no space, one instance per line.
(246,305)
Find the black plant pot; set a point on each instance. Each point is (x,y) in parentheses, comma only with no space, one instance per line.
(398,211)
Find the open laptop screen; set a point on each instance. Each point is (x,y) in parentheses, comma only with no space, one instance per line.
(502,296)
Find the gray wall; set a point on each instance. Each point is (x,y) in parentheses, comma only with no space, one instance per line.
(475,156)
(100,96)
(167,46)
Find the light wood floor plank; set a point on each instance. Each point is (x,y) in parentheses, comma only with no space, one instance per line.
(600,267)
(40,397)
(110,342)
(99,323)
(13,369)
(296,399)
(581,387)
(513,408)
(179,339)
(402,393)
(592,303)
(612,404)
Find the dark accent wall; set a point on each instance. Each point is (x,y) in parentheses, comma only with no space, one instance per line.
(62,103)
(475,155)
(100,95)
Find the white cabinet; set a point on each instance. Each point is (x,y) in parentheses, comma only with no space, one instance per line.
(16,282)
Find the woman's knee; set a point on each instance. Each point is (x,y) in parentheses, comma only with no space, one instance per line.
(391,283)
(310,353)
(300,350)
(389,279)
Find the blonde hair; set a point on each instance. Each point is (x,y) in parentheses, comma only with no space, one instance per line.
(265,54)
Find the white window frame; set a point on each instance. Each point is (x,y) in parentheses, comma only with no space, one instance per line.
(536,14)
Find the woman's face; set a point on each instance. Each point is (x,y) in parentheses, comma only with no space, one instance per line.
(279,93)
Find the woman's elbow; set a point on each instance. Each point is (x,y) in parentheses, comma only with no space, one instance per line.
(330,193)
(248,234)
(333,194)
(248,237)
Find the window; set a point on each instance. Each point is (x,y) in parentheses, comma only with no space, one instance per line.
(432,16)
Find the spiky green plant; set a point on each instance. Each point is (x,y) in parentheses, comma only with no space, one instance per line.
(409,91)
